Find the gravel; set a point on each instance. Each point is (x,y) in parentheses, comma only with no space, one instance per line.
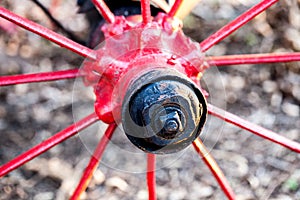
(268,95)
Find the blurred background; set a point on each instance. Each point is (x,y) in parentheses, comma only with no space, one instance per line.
(268,95)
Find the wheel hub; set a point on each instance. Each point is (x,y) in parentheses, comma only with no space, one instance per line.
(147,77)
(163,111)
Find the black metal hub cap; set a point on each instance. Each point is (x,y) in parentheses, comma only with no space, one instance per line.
(163,111)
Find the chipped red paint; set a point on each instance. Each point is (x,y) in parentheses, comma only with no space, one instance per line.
(144,48)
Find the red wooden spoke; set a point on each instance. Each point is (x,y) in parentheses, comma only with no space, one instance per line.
(258,130)
(151,180)
(146,11)
(253,58)
(47,144)
(175,8)
(94,162)
(214,168)
(104,10)
(235,24)
(47,34)
(39,77)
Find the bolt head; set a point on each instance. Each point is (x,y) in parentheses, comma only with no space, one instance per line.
(171,124)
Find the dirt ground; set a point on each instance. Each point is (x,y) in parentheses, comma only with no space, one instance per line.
(268,95)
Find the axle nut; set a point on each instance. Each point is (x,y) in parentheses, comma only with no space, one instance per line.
(163,111)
